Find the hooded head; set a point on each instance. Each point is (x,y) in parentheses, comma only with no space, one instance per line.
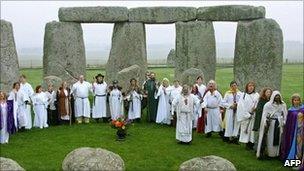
(276,97)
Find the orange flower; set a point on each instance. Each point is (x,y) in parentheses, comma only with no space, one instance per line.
(118,124)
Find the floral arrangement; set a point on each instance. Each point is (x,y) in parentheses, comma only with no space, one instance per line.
(120,123)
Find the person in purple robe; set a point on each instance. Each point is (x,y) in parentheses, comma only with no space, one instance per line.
(293,138)
(7,124)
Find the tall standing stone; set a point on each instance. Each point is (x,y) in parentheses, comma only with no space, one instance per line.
(63,51)
(195,48)
(128,48)
(259,53)
(9,66)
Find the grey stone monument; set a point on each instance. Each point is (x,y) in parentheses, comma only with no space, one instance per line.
(195,48)
(259,53)
(9,66)
(128,48)
(64,52)
(162,15)
(230,13)
(93,14)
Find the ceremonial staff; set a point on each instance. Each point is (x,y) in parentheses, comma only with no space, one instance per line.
(70,105)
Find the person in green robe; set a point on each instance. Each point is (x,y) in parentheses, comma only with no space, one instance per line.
(150,87)
(264,98)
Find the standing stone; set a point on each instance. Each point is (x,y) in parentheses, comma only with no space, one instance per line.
(259,53)
(7,164)
(63,51)
(195,48)
(162,15)
(212,162)
(230,13)
(9,66)
(128,48)
(189,76)
(87,158)
(171,58)
(124,76)
(93,14)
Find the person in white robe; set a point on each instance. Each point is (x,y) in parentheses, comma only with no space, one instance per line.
(272,124)
(212,101)
(80,90)
(20,106)
(230,102)
(40,103)
(176,91)
(245,115)
(28,91)
(163,115)
(200,85)
(134,97)
(100,98)
(52,113)
(184,105)
(198,109)
(116,101)
(200,122)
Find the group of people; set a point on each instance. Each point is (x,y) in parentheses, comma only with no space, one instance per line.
(261,121)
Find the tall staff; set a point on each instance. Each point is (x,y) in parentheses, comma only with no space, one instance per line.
(70,105)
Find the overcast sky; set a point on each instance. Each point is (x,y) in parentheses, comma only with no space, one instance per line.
(29,19)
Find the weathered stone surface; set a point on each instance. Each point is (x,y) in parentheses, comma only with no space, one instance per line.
(259,53)
(9,66)
(63,51)
(7,164)
(189,76)
(93,14)
(128,48)
(87,158)
(195,48)
(230,13)
(154,15)
(126,74)
(171,58)
(51,80)
(207,163)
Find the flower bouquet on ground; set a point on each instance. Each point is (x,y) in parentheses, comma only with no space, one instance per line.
(121,125)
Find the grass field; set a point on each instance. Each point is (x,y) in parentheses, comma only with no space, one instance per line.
(148,147)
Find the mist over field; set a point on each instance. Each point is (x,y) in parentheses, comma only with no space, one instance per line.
(293,51)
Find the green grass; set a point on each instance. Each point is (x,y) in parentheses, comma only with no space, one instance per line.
(148,147)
